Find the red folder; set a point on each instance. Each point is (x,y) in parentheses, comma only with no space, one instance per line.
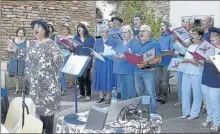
(133,58)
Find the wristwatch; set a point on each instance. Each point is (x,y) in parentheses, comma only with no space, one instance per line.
(148,64)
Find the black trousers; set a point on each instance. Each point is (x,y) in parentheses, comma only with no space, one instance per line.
(85,83)
(47,123)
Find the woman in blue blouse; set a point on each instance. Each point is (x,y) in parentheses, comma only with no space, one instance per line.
(104,79)
(17,63)
(124,69)
(87,40)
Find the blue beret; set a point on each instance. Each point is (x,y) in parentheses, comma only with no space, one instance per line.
(214,29)
(41,22)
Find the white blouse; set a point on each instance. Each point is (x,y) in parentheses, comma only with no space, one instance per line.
(190,68)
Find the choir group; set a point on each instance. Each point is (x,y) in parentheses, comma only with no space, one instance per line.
(46,55)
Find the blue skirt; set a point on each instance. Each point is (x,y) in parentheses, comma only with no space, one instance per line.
(16,67)
(104,79)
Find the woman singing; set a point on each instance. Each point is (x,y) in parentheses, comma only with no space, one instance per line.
(43,64)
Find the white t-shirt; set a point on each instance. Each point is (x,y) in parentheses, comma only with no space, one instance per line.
(190,68)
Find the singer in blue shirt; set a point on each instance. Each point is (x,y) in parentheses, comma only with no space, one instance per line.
(104,78)
(87,40)
(162,74)
(146,72)
(124,69)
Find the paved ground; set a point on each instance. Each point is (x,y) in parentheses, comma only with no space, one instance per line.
(170,114)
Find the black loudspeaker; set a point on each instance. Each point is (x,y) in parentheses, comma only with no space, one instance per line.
(96,118)
(145,107)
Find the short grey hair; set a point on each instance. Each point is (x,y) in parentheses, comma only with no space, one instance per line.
(104,28)
(128,27)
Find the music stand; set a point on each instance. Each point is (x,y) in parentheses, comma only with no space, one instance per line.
(76,66)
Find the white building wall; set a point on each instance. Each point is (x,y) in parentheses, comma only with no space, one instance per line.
(193,8)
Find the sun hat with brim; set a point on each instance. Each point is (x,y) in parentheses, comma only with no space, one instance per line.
(41,22)
(117,18)
(84,23)
(214,29)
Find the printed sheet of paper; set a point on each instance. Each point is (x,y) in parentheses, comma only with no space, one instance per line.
(216,61)
(204,50)
(76,65)
(176,65)
(98,56)
(150,55)
(182,34)
(65,52)
(108,51)
(71,42)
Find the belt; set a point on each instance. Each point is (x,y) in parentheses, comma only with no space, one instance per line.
(146,68)
(182,55)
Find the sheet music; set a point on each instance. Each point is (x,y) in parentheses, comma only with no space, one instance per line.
(13,47)
(98,56)
(76,65)
(176,65)
(205,50)
(150,55)
(108,51)
(216,61)
(182,34)
(65,52)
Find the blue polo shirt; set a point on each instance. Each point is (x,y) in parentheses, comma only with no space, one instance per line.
(206,36)
(147,46)
(166,44)
(123,66)
(88,42)
(211,75)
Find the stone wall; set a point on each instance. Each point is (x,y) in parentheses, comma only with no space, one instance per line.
(162,8)
(20,14)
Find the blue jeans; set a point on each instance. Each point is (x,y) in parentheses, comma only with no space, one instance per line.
(191,82)
(62,76)
(212,96)
(145,85)
(179,82)
(126,83)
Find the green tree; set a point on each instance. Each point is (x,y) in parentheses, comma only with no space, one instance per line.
(129,8)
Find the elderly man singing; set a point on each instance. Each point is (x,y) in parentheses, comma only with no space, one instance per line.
(146,71)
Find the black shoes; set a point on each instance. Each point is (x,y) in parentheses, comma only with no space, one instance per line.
(100,100)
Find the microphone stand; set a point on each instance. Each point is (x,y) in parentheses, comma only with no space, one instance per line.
(24,91)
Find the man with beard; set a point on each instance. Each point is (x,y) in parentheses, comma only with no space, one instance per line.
(162,74)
